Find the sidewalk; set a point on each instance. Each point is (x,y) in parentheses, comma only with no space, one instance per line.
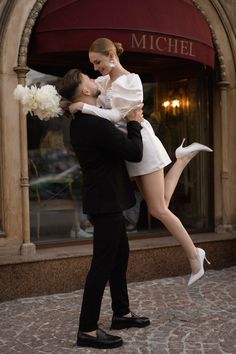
(195,320)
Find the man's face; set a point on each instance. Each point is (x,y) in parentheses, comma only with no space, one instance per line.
(90,85)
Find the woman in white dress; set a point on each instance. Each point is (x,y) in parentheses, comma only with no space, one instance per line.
(121,92)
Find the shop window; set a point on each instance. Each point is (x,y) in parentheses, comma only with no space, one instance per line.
(55,183)
(177,107)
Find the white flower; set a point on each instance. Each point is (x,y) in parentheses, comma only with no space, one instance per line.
(42,102)
(20,91)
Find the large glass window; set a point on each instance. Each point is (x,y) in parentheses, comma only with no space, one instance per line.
(178,109)
(177,97)
(176,103)
(55,183)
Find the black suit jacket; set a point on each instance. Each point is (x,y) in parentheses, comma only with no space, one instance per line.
(101,150)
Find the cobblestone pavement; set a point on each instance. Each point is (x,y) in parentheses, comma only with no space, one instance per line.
(194,320)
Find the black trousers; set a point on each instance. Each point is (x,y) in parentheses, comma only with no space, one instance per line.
(109,263)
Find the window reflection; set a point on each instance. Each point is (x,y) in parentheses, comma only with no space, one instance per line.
(55,183)
(179,109)
(56,177)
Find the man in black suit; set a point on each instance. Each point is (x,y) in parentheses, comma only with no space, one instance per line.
(101,150)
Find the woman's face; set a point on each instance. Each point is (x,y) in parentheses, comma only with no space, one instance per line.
(100,62)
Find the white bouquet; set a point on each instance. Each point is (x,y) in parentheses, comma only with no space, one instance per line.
(42,102)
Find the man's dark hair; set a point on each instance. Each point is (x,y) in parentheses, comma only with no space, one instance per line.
(68,86)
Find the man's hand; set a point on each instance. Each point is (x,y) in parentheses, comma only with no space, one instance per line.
(64,104)
(136,114)
(75,107)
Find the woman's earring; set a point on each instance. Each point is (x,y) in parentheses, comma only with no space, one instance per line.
(112,63)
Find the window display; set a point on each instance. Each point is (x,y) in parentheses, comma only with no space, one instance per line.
(177,108)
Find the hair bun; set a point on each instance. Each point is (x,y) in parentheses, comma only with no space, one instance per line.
(119,48)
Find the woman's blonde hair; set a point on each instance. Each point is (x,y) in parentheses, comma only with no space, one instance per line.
(105,45)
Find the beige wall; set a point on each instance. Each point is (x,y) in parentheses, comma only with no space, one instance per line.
(14,14)
(230,9)
(222,19)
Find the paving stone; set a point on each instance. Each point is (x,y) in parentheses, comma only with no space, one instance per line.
(184,320)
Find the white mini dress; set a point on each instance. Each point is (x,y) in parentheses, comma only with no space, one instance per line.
(116,101)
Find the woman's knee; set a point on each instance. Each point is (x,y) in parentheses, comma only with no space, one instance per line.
(159,211)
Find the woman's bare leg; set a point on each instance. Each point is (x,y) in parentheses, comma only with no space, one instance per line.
(173,175)
(152,186)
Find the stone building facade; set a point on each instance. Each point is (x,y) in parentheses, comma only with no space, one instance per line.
(17,19)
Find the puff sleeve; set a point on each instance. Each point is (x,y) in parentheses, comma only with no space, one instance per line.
(127,92)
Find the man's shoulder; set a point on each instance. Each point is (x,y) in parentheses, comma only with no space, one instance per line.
(82,118)
(87,119)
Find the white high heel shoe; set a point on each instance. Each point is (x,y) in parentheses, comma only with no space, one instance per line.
(190,149)
(198,275)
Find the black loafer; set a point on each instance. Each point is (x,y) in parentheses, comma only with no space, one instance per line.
(103,340)
(127,322)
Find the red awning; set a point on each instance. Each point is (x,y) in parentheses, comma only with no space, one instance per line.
(171,28)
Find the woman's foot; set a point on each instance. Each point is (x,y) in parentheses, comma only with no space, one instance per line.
(191,150)
(197,266)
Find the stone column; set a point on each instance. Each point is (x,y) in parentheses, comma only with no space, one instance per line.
(225,176)
(27,247)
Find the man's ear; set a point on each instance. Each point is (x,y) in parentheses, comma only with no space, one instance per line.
(86,91)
